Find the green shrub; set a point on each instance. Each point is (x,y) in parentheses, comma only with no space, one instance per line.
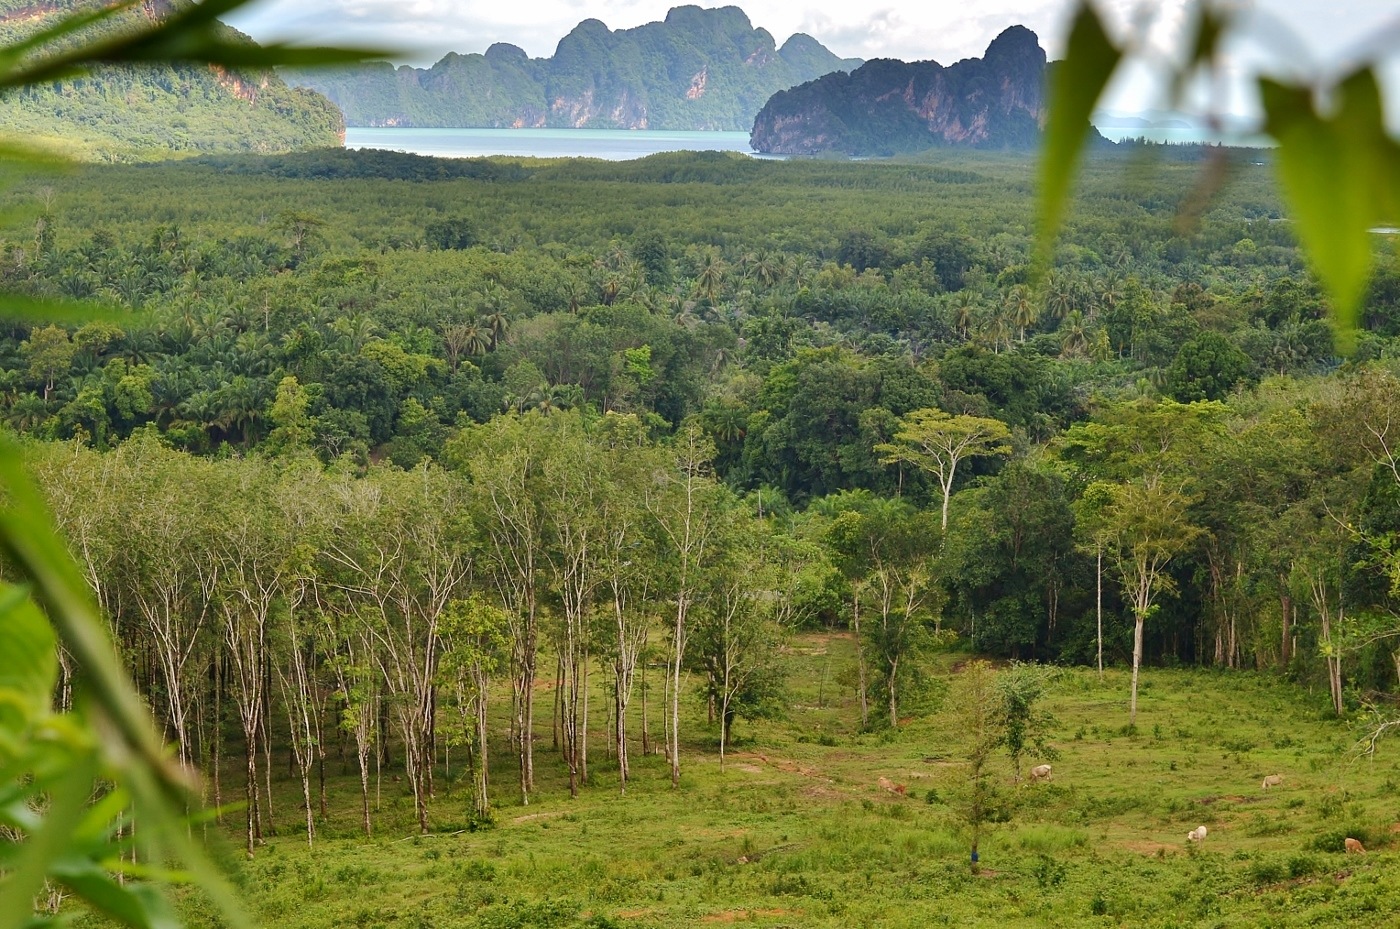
(1305,866)
(1334,840)
(1267,871)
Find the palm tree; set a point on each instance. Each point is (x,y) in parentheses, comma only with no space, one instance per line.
(141,347)
(476,338)
(801,270)
(1059,294)
(1024,312)
(1074,336)
(355,332)
(1110,292)
(239,405)
(965,306)
(727,423)
(710,278)
(168,392)
(998,330)
(767,270)
(28,412)
(498,323)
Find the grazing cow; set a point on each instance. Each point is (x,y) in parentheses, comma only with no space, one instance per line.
(1040,772)
(886,784)
(1273,780)
(1196,835)
(1354,846)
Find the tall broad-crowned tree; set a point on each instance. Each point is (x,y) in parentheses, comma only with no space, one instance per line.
(1142,462)
(1147,523)
(937,442)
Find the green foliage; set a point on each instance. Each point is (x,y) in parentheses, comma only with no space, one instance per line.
(1206,368)
(1340,171)
(98,107)
(1079,80)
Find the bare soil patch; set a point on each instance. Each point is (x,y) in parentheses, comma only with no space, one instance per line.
(731,916)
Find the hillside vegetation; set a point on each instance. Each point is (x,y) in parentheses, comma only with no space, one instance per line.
(151,113)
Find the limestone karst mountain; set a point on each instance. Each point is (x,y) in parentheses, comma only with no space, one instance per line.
(888,106)
(697,69)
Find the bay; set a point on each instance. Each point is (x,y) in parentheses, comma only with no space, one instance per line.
(607,144)
(1185,135)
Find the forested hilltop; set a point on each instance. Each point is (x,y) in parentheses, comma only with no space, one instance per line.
(126,114)
(698,69)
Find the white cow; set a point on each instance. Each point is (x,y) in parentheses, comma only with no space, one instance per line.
(1040,772)
(1273,780)
(1196,835)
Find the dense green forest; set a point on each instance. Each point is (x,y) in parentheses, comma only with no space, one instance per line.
(368,440)
(122,113)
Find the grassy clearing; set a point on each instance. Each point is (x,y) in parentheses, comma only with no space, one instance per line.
(796,832)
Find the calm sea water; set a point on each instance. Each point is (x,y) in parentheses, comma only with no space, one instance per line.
(608,144)
(626,144)
(1186,136)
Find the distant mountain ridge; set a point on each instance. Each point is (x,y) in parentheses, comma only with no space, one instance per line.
(886,106)
(129,114)
(697,69)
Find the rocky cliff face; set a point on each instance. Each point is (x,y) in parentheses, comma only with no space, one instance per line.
(887,106)
(699,69)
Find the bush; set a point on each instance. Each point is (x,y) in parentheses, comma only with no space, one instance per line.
(1266,871)
(1334,840)
(1305,866)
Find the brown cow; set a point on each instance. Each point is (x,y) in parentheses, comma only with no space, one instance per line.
(1354,846)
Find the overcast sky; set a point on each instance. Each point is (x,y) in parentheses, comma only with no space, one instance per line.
(943,30)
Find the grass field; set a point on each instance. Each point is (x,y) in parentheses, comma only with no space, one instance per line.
(796,831)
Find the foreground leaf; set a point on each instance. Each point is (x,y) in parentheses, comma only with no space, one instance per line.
(1079,80)
(1339,176)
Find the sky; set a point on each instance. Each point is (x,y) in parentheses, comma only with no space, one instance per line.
(1321,32)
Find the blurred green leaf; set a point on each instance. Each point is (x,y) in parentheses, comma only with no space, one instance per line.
(1339,176)
(1210,27)
(29,670)
(137,905)
(28,537)
(1079,80)
(159,788)
(72,840)
(66,802)
(194,33)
